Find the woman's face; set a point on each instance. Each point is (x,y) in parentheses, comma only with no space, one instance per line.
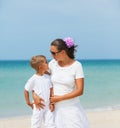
(56,54)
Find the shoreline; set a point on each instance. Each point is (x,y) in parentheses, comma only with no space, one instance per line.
(97,119)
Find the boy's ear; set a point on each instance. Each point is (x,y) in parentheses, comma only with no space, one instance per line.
(39,67)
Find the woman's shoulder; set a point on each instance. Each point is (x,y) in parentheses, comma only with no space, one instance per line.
(77,62)
(77,65)
(52,62)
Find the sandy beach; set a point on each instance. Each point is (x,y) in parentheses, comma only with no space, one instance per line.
(104,119)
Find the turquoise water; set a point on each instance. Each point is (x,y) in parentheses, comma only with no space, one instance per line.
(102,84)
(101,92)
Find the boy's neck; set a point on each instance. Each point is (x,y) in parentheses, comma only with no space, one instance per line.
(40,73)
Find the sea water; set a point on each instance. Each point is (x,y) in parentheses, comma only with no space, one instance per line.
(101,88)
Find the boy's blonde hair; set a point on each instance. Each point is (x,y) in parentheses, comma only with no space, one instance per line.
(36,61)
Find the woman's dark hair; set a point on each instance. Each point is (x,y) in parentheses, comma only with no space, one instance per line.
(61,45)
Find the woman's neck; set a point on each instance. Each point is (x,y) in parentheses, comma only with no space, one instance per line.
(66,62)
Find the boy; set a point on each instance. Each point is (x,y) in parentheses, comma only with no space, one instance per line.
(40,83)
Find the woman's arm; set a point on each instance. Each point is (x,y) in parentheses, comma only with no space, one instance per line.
(77,92)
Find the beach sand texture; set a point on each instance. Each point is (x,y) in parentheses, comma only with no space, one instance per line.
(104,119)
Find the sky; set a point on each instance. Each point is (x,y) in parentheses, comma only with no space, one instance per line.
(27,27)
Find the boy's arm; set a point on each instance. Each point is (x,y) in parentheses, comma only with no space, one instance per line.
(26,94)
(52,106)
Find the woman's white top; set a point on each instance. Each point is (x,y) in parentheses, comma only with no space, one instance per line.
(63,78)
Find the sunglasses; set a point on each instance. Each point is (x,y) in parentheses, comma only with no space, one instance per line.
(54,53)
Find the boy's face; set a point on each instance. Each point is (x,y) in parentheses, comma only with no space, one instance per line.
(45,65)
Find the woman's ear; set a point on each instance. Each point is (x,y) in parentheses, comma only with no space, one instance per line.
(63,51)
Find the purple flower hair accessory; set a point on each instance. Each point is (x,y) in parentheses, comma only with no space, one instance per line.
(69,42)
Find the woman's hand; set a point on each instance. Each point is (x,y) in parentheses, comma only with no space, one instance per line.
(38,101)
(55,99)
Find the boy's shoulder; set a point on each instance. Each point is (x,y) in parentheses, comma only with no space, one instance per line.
(47,75)
(32,77)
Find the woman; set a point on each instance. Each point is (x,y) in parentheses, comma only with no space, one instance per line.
(68,82)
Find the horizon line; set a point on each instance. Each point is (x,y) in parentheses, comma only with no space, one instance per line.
(51,59)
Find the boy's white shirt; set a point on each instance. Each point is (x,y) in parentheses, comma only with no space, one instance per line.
(40,85)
